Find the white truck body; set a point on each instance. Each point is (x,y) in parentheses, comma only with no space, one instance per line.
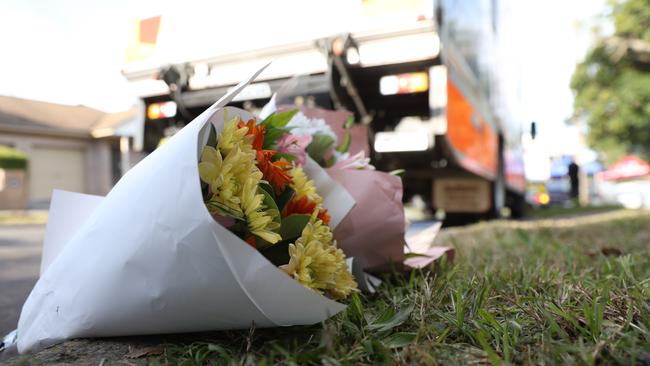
(221,48)
(420,73)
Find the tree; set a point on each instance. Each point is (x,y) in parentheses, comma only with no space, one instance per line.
(612,84)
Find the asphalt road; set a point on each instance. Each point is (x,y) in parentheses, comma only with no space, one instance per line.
(20,260)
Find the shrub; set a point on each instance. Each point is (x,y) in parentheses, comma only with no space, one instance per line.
(11,158)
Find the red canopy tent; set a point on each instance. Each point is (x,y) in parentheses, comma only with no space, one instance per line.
(627,168)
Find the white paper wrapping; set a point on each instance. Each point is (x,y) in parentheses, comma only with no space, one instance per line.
(149,259)
(68,211)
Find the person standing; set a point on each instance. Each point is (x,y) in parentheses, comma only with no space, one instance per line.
(574,178)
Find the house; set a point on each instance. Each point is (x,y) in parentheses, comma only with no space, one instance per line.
(74,148)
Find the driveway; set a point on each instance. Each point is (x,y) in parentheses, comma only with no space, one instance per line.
(20,260)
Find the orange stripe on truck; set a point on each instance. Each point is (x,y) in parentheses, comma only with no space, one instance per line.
(469,133)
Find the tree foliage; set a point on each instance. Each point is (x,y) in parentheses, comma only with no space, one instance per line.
(612,84)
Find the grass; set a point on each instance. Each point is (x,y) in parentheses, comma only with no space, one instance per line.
(576,293)
(559,211)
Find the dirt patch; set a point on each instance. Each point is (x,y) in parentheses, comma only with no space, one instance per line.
(113,351)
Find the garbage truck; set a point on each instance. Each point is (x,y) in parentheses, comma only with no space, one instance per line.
(419,74)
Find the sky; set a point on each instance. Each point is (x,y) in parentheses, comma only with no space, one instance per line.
(66,51)
(72,51)
(555,35)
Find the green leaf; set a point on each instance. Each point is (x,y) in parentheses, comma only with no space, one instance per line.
(349,122)
(356,310)
(272,135)
(385,316)
(287,157)
(205,191)
(345,145)
(268,188)
(397,172)
(221,351)
(329,162)
(314,356)
(214,206)
(293,225)
(399,339)
(278,120)
(492,355)
(284,198)
(318,147)
(385,323)
(270,204)
(378,352)
(414,255)
(278,253)
(212,136)
(489,319)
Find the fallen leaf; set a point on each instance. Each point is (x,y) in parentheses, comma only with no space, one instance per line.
(611,251)
(145,352)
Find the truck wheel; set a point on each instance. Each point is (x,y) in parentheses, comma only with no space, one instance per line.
(517,204)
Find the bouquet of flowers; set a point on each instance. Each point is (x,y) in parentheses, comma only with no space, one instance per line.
(216,229)
(374,230)
(264,196)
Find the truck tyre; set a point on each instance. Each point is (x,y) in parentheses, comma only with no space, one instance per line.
(517,204)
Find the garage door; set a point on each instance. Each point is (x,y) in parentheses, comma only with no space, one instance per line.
(55,168)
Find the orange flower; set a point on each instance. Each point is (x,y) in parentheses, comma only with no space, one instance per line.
(275,172)
(303,205)
(257,131)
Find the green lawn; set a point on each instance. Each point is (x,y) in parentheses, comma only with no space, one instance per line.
(521,293)
(557,211)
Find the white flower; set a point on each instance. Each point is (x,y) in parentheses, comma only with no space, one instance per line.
(338,157)
(301,125)
(357,161)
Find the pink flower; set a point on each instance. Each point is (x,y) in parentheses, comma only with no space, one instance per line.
(294,145)
(357,161)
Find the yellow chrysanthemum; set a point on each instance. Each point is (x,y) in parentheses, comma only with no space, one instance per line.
(233,136)
(300,264)
(303,186)
(260,221)
(316,262)
(344,283)
(234,179)
(226,175)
